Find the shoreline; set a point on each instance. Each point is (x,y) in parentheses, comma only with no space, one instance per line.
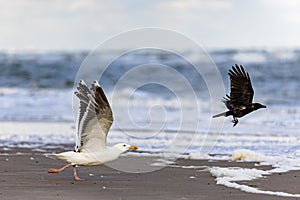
(24,176)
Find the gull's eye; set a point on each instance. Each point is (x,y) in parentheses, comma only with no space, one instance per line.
(124,145)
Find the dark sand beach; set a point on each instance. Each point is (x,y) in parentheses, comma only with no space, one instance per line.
(24,176)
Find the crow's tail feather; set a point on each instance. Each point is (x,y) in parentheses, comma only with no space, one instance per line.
(221,114)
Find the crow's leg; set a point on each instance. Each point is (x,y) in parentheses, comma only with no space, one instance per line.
(235,121)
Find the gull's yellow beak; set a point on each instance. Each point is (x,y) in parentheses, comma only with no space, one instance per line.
(133,147)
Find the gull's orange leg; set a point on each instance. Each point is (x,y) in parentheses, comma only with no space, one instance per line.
(60,169)
(76,178)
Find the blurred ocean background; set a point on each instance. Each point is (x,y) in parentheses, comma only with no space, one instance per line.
(36,93)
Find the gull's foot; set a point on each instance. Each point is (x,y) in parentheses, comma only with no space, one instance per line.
(53,170)
(235,121)
(78,179)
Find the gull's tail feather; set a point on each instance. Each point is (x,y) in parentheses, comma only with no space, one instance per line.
(51,155)
(221,114)
(61,156)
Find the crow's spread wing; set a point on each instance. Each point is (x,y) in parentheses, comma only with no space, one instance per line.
(95,118)
(241,91)
(226,101)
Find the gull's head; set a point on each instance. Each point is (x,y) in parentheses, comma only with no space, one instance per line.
(125,147)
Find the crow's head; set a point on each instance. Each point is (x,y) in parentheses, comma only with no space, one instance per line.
(257,106)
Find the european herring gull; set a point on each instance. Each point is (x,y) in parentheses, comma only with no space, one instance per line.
(94,121)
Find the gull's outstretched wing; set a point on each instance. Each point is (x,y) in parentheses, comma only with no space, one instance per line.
(94,119)
(241,91)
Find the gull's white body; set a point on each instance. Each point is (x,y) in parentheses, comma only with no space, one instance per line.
(91,158)
(94,121)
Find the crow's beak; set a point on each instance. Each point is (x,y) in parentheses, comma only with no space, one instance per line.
(133,147)
(263,106)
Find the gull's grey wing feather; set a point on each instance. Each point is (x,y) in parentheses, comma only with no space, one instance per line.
(95,118)
(82,94)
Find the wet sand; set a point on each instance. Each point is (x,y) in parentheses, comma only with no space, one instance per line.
(24,176)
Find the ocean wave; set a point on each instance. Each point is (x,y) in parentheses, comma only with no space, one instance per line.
(38,88)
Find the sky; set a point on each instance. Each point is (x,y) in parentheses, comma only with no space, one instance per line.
(84,24)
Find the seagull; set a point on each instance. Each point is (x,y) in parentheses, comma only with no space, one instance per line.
(239,103)
(94,121)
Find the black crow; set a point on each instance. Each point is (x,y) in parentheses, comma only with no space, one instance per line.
(239,103)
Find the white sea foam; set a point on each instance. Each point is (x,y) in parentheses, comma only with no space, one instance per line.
(280,163)
(26,134)
(247,155)
(8,91)
(38,105)
(229,176)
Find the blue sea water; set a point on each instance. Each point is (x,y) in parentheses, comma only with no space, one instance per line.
(37,88)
